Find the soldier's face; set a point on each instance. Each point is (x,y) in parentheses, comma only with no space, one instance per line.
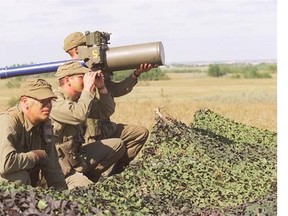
(76,82)
(39,110)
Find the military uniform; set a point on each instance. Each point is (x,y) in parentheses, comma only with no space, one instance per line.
(103,128)
(133,136)
(18,138)
(80,164)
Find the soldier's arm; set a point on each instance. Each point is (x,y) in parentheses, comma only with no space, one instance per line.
(11,157)
(118,89)
(102,107)
(71,112)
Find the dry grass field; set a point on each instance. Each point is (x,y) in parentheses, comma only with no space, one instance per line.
(249,101)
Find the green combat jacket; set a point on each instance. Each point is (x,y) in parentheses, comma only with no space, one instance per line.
(118,89)
(103,128)
(68,120)
(18,138)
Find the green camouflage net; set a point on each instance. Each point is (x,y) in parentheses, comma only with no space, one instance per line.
(215,166)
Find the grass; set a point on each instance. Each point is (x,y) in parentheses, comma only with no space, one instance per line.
(249,101)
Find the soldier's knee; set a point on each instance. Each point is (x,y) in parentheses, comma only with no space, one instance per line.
(144,133)
(120,147)
(115,144)
(77,180)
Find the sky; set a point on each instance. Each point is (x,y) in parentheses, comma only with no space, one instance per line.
(190,30)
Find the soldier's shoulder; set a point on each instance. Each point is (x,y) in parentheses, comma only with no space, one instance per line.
(60,94)
(10,117)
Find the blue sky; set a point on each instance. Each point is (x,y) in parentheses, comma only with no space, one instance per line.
(190,30)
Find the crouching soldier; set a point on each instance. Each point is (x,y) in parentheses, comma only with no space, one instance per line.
(76,101)
(26,141)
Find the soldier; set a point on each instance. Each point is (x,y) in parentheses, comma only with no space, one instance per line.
(76,101)
(133,136)
(26,139)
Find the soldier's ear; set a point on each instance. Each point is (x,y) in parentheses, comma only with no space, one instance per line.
(25,101)
(67,80)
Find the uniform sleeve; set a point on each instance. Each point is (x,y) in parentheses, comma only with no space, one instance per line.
(53,172)
(71,112)
(118,89)
(102,108)
(11,157)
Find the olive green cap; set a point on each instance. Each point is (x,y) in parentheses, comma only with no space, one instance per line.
(73,40)
(39,89)
(71,68)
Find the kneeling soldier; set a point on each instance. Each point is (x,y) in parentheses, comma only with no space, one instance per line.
(26,141)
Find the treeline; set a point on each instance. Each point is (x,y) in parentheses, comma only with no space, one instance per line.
(248,71)
(235,70)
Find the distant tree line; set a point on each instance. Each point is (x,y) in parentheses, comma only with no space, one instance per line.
(248,71)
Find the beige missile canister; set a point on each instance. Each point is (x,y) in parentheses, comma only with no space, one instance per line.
(131,56)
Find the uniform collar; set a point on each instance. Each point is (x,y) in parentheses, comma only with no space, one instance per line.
(63,94)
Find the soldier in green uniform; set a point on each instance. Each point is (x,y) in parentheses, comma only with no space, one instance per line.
(76,101)
(133,136)
(26,141)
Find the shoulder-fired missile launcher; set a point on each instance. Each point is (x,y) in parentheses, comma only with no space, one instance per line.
(96,54)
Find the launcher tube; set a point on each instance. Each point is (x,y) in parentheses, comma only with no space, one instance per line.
(32,69)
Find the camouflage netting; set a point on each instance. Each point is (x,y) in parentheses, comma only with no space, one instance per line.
(213,167)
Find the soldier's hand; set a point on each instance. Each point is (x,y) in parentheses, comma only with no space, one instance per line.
(99,81)
(89,81)
(142,69)
(41,157)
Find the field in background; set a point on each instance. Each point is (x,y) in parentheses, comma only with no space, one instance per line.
(249,101)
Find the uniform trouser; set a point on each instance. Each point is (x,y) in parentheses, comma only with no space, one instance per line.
(100,155)
(133,137)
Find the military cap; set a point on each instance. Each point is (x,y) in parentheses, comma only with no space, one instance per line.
(73,40)
(71,68)
(39,89)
